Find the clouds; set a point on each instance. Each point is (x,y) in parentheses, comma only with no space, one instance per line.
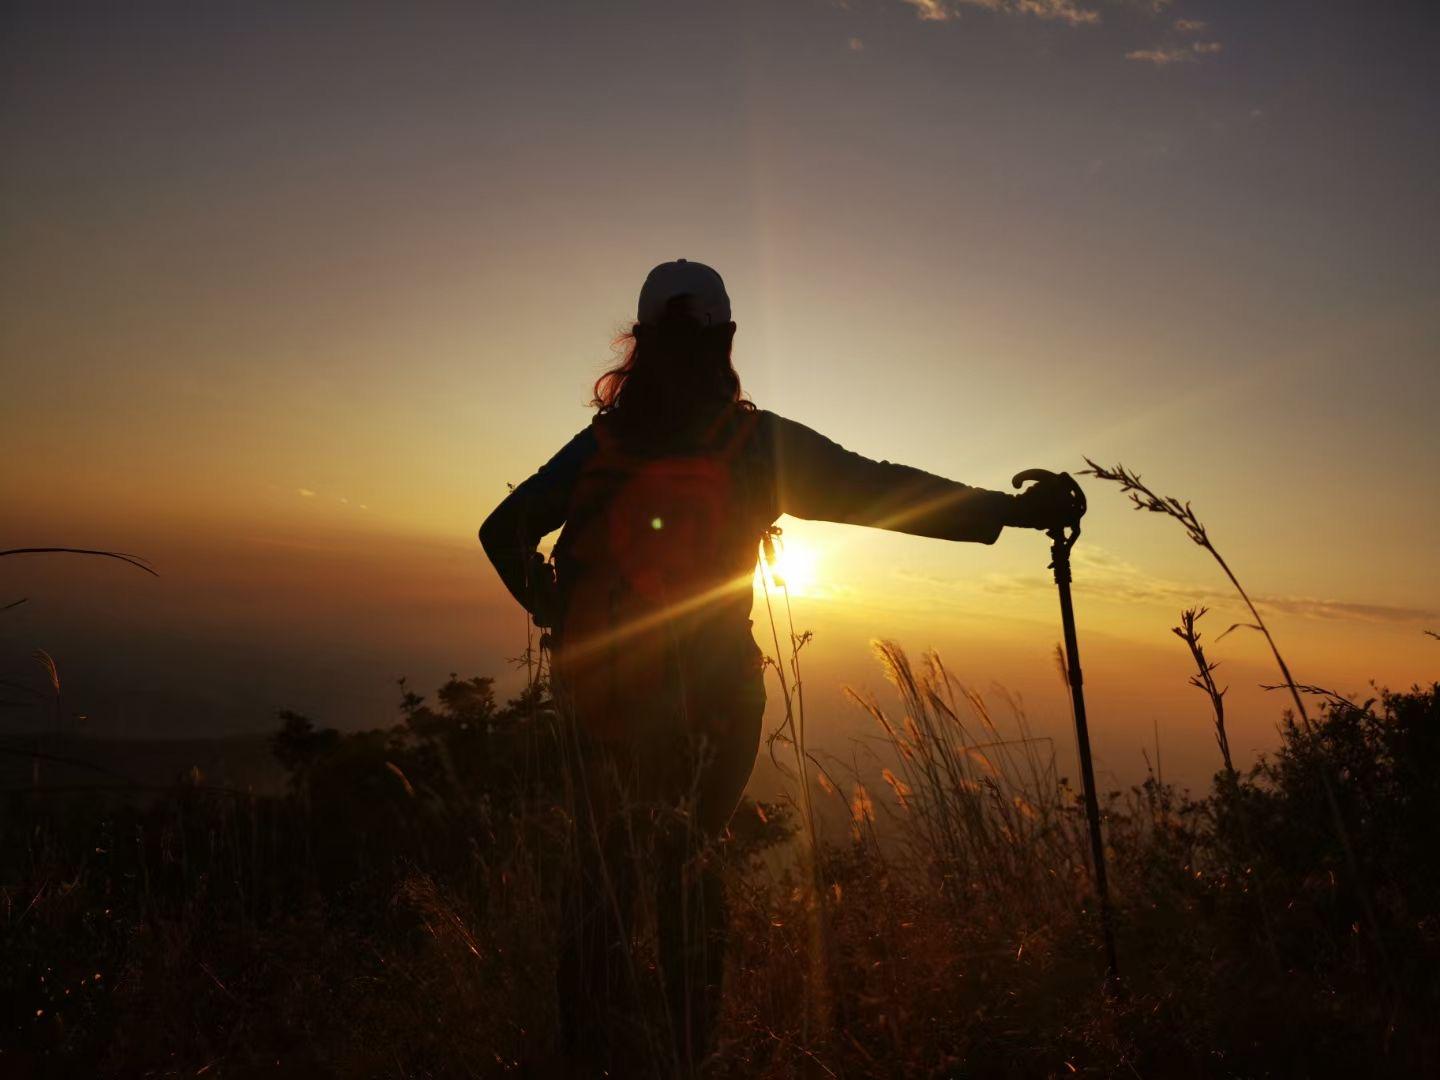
(311,493)
(1162,55)
(1309,607)
(1066,11)
(1175,51)
(930,10)
(1078,13)
(1103,576)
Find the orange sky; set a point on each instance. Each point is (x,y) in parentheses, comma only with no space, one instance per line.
(287,300)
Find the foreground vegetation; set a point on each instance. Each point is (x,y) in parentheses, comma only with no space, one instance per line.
(394,912)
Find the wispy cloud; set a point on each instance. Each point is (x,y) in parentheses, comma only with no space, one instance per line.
(1079,13)
(1100,574)
(343,500)
(1162,55)
(930,10)
(1063,10)
(1313,608)
(1066,11)
(1087,13)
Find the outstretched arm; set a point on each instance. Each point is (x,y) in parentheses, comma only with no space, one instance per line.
(530,512)
(820,479)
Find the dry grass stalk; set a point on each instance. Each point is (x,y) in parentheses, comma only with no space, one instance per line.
(1144,498)
(136,561)
(1204,678)
(820,1008)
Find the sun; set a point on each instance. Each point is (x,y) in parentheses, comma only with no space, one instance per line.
(797,567)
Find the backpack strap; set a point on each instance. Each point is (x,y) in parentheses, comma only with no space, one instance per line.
(607,439)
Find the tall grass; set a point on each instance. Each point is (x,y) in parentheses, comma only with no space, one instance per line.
(978,808)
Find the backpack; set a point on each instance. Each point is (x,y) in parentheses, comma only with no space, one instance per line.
(656,551)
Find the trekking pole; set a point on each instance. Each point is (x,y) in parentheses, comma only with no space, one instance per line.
(1062,539)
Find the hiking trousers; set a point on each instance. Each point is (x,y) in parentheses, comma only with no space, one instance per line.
(647,816)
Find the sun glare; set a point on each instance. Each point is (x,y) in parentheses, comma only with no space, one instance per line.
(797,566)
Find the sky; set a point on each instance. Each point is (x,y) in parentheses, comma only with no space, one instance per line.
(289,292)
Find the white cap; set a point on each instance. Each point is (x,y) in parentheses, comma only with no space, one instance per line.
(703,289)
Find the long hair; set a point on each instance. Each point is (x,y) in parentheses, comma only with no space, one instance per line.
(675,378)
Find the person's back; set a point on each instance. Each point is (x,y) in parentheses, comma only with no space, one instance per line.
(663,500)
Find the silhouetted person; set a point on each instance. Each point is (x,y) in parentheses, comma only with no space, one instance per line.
(663,500)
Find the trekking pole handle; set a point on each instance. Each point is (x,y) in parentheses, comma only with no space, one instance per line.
(1020,479)
(1066,534)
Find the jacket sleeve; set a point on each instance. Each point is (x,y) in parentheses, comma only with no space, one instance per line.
(817,478)
(531,512)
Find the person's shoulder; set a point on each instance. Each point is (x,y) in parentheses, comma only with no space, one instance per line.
(761,419)
(757,425)
(776,426)
(574,453)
